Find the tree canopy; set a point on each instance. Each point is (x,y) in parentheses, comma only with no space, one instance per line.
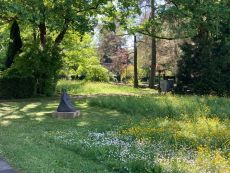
(59,34)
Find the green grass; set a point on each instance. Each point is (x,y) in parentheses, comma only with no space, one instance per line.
(167,106)
(91,88)
(194,131)
(122,134)
(28,137)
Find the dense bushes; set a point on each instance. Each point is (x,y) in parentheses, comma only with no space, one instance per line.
(97,73)
(16,86)
(88,68)
(34,71)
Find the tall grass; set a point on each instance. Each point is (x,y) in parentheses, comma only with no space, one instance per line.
(87,87)
(193,131)
(167,106)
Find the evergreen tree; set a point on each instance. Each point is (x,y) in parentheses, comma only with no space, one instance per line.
(15,44)
(204,65)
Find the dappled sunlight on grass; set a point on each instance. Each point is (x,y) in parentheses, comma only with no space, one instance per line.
(12,116)
(123,134)
(24,110)
(25,129)
(82,123)
(41,113)
(30,106)
(5,123)
(51,106)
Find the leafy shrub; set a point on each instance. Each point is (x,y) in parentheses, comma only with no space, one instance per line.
(42,64)
(97,73)
(14,85)
(127,74)
(91,69)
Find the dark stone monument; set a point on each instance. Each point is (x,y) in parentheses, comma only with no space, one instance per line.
(65,108)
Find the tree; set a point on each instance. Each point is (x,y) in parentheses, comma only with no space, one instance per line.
(203,65)
(112,52)
(49,22)
(135,63)
(15,44)
(119,62)
(150,21)
(153,48)
(81,59)
(109,44)
(53,17)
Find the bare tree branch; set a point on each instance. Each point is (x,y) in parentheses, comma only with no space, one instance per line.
(163,38)
(90,8)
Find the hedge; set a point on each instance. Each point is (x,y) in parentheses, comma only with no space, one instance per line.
(17,87)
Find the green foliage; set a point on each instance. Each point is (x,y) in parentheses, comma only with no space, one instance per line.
(81,60)
(42,64)
(91,69)
(97,73)
(203,67)
(4,41)
(127,74)
(15,85)
(194,125)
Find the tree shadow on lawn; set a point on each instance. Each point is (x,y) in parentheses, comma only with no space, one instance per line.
(40,112)
(23,126)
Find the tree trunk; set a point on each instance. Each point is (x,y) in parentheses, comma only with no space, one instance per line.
(153,47)
(135,63)
(34,34)
(61,35)
(42,30)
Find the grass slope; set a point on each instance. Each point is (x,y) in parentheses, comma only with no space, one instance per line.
(138,133)
(90,88)
(27,137)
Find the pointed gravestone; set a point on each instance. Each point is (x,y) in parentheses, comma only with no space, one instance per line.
(65,108)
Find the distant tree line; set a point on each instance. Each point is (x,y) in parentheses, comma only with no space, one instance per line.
(42,40)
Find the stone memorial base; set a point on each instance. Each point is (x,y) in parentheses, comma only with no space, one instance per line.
(66,115)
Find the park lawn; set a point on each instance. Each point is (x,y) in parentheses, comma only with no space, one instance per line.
(32,141)
(99,88)
(118,134)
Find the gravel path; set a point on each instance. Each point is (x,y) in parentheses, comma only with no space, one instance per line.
(5,167)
